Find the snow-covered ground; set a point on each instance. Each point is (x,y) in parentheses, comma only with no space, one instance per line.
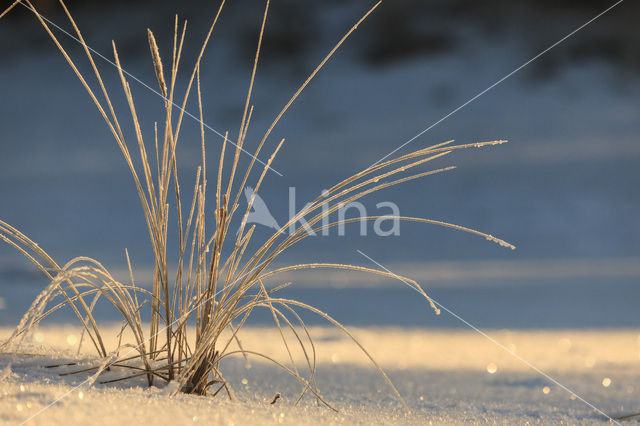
(446,377)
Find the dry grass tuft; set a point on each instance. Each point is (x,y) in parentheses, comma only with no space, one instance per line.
(215,292)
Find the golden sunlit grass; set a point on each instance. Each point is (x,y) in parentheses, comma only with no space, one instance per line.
(216,292)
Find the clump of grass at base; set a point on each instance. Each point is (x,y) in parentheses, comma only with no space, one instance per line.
(217,292)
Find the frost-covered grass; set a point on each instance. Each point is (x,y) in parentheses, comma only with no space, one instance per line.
(204,293)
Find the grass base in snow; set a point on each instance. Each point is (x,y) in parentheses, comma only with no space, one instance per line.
(443,375)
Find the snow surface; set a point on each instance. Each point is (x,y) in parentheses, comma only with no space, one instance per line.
(446,377)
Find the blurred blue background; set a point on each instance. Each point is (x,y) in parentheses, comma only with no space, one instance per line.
(565,190)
